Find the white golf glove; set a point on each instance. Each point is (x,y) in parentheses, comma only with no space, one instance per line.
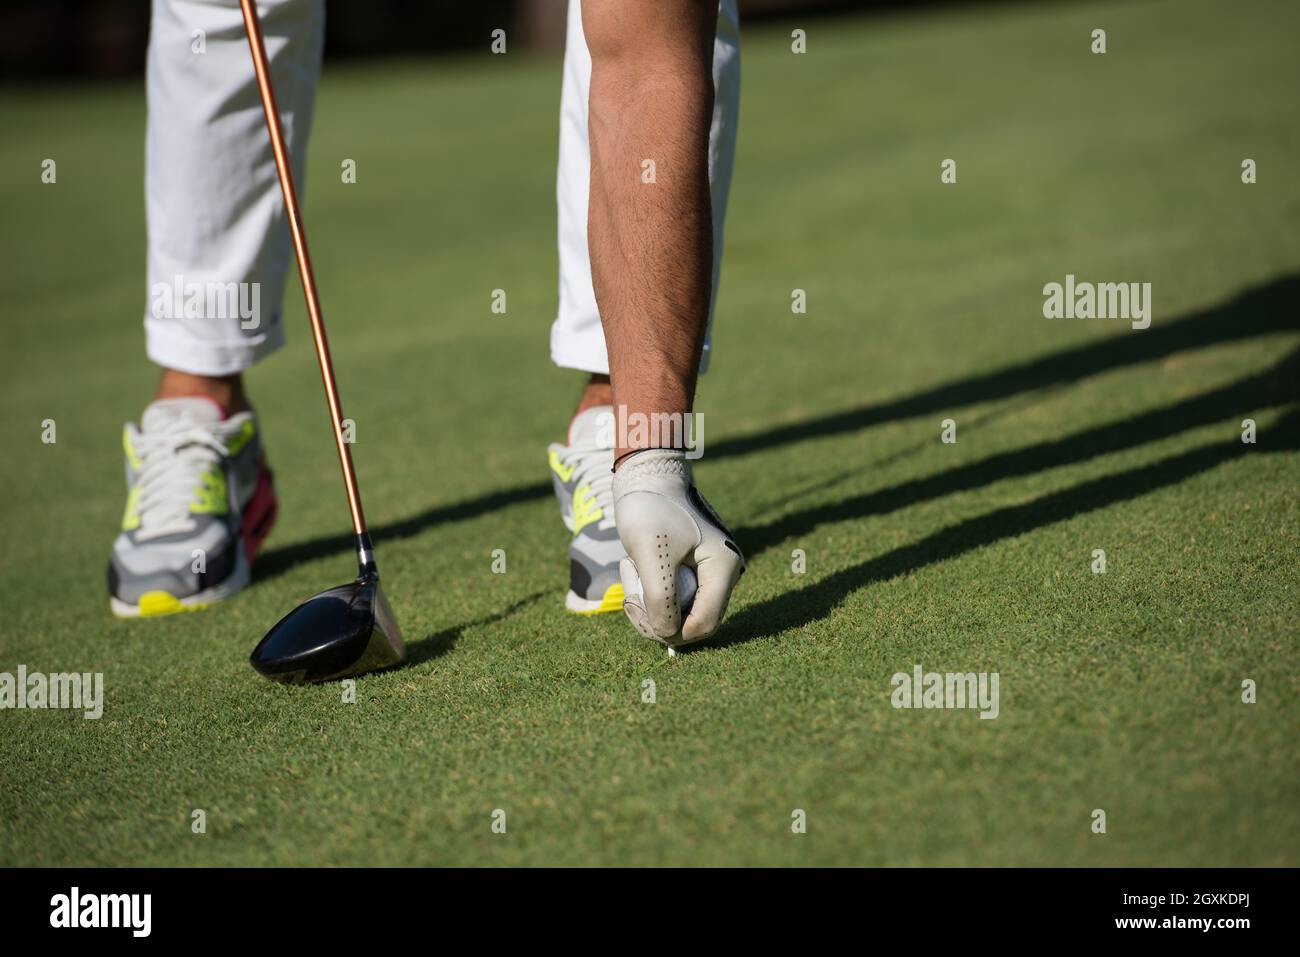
(663,522)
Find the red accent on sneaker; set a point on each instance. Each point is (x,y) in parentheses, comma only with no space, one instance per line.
(259,515)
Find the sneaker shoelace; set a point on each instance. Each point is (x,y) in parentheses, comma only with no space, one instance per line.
(593,468)
(173,461)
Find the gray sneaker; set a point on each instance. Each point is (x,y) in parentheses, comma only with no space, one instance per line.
(200,502)
(583,476)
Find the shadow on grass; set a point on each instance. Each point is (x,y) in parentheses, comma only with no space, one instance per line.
(441,642)
(1266,309)
(1269,389)
(278,560)
(814,602)
(1257,312)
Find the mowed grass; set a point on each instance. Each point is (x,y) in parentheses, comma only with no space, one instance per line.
(1119,691)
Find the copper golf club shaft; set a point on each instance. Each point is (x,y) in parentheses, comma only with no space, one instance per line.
(285,171)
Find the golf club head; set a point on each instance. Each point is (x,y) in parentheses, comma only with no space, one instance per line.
(346,631)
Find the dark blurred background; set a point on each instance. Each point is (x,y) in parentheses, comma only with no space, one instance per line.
(54,38)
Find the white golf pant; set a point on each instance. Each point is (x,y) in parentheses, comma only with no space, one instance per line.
(215,216)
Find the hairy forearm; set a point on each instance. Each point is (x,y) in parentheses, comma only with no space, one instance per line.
(650,223)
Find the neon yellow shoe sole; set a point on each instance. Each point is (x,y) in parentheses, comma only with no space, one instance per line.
(154,604)
(612,600)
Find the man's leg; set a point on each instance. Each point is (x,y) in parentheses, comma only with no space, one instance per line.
(201,501)
(212,197)
(577,337)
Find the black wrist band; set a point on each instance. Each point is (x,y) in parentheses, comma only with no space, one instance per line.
(653,448)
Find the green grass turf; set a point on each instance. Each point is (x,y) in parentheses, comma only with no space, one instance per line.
(1119,692)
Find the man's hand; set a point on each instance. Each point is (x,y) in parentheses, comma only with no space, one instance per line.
(663,522)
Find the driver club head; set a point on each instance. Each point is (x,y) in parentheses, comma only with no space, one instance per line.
(345,631)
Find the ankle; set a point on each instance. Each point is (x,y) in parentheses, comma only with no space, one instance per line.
(598,391)
(227,391)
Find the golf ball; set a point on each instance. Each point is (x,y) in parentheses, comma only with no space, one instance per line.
(686,586)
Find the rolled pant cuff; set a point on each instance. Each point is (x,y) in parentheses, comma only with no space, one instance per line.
(588,361)
(582,360)
(172,349)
